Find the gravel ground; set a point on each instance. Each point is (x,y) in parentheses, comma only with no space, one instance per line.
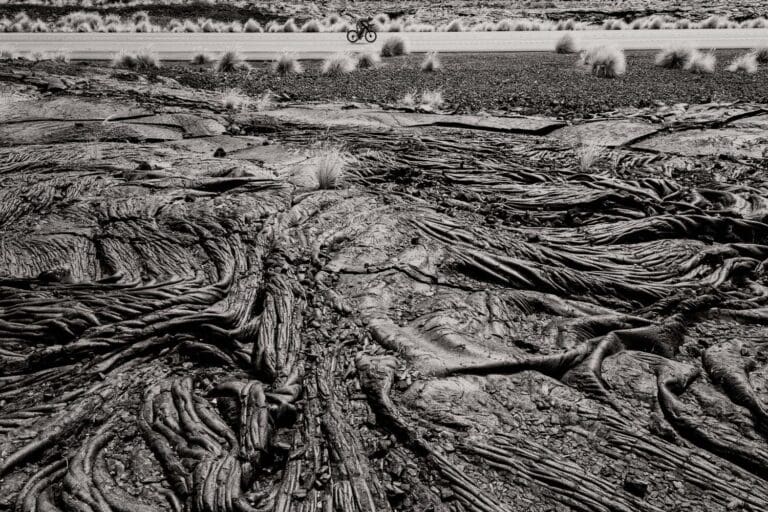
(542,83)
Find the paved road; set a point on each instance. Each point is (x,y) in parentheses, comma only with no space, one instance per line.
(175,46)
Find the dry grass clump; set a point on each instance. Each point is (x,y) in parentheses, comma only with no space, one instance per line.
(147,59)
(431,62)
(715,21)
(142,60)
(290,26)
(455,26)
(287,64)
(676,57)
(432,100)
(235,100)
(419,27)
(395,46)
(368,60)
(312,26)
(588,154)
(202,59)
(746,63)
(8,54)
(60,56)
(761,54)
(339,64)
(330,168)
(701,63)
(231,61)
(252,26)
(604,61)
(265,101)
(566,44)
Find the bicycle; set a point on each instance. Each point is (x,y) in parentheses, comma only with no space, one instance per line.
(363,31)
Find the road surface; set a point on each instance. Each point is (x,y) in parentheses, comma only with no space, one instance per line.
(181,46)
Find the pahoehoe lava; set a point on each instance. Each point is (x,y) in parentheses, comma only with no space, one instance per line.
(472,323)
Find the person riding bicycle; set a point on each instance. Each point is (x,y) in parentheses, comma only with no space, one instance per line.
(364,24)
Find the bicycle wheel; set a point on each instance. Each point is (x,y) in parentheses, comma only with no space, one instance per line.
(370,36)
(353,36)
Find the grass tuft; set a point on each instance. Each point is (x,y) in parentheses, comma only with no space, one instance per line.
(431,62)
(202,59)
(287,64)
(339,64)
(746,63)
(588,154)
(432,100)
(231,61)
(761,54)
(235,100)
(676,57)
(368,60)
(252,26)
(395,46)
(701,63)
(566,44)
(312,26)
(604,61)
(330,168)
(455,26)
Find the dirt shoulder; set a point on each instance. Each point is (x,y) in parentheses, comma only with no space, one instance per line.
(530,83)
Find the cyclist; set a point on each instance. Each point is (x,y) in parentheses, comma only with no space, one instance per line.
(364,24)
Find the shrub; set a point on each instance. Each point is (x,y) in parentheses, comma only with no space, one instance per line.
(191,26)
(334,19)
(761,54)
(210,26)
(605,61)
(8,54)
(140,16)
(147,59)
(394,46)
(715,21)
(569,24)
(504,26)
(758,23)
(61,56)
(339,64)
(231,61)
(290,26)
(522,26)
(432,100)
(637,23)
(588,155)
(312,26)
(455,26)
(235,100)
(431,62)
(701,63)
(566,44)
(420,27)
(683,24)
(125,60)
(409,100)
(287,64)
(746,63)
(264,102)
(202,59)
(368,60)
(674,57)
(330,168)
(252,26)
(234,27)
(381,19)
(655,23)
